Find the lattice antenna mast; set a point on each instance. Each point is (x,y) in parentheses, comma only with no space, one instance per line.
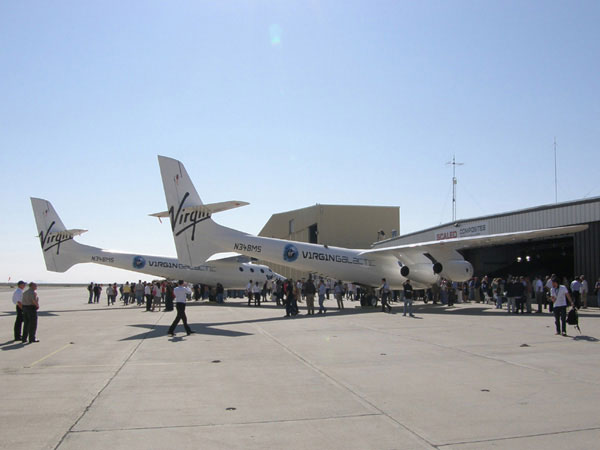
(454,164)
(555,175)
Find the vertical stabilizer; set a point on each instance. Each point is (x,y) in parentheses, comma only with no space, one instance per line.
(194,231)
(60,250)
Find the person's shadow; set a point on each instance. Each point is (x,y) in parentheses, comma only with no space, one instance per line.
(11,345)
(585,338)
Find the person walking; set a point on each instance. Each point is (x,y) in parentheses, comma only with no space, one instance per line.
(156,297)
(109,294)
(408,298)
(584,290)
(148,295)
(510,295)
(181,292)
(30,303)
(126,293)
(97,292)
(575,291)
(249,292)
(291,304)
(16,299)
(385,296)
(169,296)
(220,293)
(278,292)
(309,291)
(90,289)
(337,293)
(322,292)
(548,289)
(139,293)
(256,293)
(538,287)
(560,296)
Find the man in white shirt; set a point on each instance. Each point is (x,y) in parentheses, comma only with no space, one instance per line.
(256,291)
(575,288)
(180,292)
(249,292)
(560,296)
(548,287)
(16,298)
(583,290)
(322,291)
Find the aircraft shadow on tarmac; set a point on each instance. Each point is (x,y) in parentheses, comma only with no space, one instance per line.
(160,331)
(40,314)
(483,310)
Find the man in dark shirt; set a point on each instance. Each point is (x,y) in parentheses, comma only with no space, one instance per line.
(309,291)
(520,294)
(408,298)
(30,304)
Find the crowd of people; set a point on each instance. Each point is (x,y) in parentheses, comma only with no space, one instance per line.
(154,295)
(520,294)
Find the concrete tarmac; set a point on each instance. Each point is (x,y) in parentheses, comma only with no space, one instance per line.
(463,377)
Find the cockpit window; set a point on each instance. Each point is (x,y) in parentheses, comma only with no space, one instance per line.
(262,270)
(241,269)
(252,270)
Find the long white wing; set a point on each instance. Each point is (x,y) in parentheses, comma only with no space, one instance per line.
(445,249)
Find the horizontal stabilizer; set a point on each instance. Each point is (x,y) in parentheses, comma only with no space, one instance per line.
(208,208)
(222,256)
(67,234)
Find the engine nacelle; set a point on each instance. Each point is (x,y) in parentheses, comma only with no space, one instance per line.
(456,270)
(420,273)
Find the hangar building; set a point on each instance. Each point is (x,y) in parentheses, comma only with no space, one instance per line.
(566,256)
(348,226)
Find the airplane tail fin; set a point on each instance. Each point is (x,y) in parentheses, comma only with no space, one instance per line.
(194,231)
(59,249)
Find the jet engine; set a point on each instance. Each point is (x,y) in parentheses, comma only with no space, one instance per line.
(420,273)
(455,270)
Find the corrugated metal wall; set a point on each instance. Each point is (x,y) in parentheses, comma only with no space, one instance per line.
(587,253)
(586,244)
(574,213)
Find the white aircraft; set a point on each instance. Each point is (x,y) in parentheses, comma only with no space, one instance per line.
(61,252)
(198,239)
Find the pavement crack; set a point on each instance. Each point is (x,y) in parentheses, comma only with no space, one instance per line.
(343,386)
(231,424)
(108,382)
(524,436)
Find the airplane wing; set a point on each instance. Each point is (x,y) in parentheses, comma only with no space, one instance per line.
(209,208)
(445,249)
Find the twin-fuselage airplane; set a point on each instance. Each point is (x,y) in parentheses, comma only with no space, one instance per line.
(199,240)
(61,252)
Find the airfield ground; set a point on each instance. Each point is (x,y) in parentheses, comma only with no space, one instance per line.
(466,377)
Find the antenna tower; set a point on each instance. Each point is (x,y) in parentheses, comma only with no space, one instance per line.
(555,175)
(454,164)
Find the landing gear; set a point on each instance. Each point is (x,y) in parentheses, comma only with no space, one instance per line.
(368,297)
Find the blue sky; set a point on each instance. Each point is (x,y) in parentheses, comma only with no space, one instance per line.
(287,104)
